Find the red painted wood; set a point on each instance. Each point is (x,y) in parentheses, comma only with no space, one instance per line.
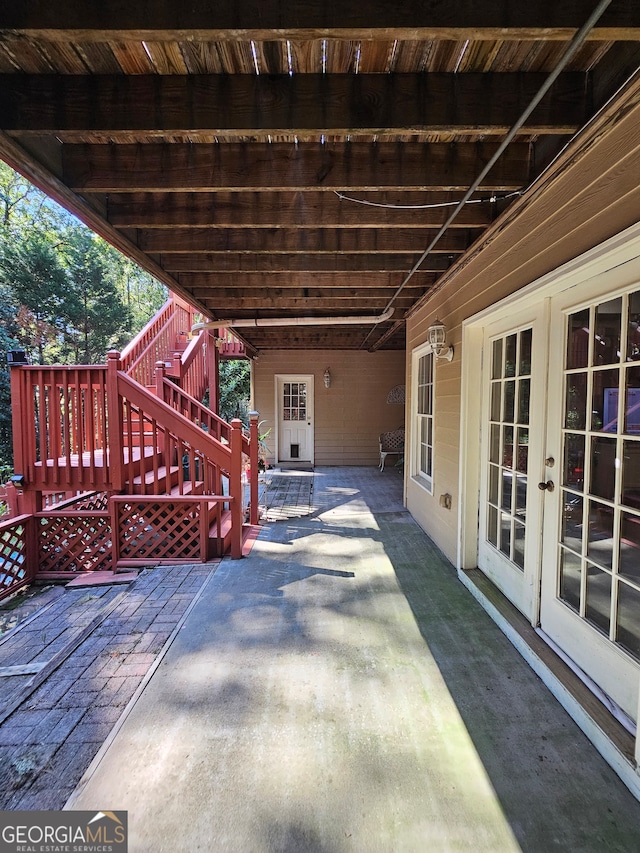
(235,488)
(93,428)
(253,477)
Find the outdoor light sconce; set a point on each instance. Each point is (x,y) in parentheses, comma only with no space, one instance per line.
(327,378)
(18,480)
(17,356)
(437,336)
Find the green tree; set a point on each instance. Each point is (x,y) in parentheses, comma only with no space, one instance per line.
(235,388)
(98,319)
(8,341)
(66,294)
(35,274)
(142,294)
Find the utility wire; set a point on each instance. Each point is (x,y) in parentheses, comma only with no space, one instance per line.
(573,46)
(492,198)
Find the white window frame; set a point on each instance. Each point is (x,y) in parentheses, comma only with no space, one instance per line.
(419,477)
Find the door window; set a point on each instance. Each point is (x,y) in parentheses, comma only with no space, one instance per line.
(599,540)
(508,445)
(294,401)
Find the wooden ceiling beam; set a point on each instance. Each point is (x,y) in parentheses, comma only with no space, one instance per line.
(249,104)
(201,282)
(278,210)
(218,295)
(199,244)
(254,167)
(302,262)
(313,337)
(298,305)
(66,20)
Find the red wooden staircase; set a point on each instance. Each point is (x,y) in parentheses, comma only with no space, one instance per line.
(122,465)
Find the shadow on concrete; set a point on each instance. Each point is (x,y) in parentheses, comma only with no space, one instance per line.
(554,789)
(303,705)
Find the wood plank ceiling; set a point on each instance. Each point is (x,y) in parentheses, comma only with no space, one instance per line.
(274,159)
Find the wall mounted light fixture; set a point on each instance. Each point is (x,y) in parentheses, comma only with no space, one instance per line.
(327,377)
(437,337)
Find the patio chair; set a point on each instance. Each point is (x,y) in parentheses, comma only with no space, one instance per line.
(391,442)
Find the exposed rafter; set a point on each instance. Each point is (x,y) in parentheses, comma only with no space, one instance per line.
(306,210)
(295,160)
(195,105)
(351,19)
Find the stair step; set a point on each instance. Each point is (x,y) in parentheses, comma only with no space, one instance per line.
(149,476)
(189,488)
(223,539)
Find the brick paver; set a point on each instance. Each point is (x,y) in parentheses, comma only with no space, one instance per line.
(286,495)
(48,742)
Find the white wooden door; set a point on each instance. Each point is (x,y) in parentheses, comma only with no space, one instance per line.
(512,430)
(590,603)
(295,418)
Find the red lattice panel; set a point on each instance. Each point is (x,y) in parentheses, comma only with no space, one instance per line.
(74,543)
(159,531)
(13,571)
(93,501)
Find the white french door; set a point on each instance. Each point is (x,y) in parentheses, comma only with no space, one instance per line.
(590,601)
(294,401)
(512,430)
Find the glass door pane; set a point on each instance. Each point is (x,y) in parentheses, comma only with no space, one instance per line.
(599,533)
(508,446)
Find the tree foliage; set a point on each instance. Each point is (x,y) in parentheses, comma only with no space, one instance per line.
(67,295)
(235,389)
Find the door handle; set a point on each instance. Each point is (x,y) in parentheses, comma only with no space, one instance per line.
(546,487)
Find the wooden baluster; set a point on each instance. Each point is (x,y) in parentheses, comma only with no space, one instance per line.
(115,423)
(212,370)
(157,440)
(102,403)
(66,426)
(160,443)
(44,424)
(89,430)
(55,423)
(20,409)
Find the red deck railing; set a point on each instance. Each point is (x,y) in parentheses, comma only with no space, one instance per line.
(230,346)
(100,448)
(165,334)
(60,427)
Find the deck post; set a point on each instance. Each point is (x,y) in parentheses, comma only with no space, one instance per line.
(115,534)
(114,414)
(213,372)
(19,416)
(253,467)
(32,544)
(159,438)
(160,370)
(235,488)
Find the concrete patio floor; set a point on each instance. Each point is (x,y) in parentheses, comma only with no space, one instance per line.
(340,690)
